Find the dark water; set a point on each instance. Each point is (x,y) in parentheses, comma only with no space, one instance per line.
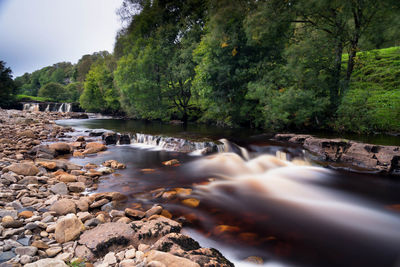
(284,211)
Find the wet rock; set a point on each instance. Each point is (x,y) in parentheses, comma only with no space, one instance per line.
(124,139)
(171,162)
(135,214)
(25,169)
(94,147)
(110,138)
(79,116)
(169,259)
(47,263)
(99,203)
(105,170)
(68,228)
(64,206)
(107,236)
(59,188)
(254,260)
(153,211)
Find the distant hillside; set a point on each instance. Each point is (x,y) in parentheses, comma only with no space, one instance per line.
(372,103)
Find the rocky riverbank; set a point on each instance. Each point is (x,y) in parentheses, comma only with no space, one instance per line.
(377,158)
(48,219)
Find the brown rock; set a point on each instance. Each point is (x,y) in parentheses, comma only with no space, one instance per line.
(25,169)
(135,214)
(68,228)
(64,206)
(99,203)
(60,148)
(83,204)
(25,214)
(67,178)
(78,154)
(48,165)
(76,187)
(40,244)
(94,147)
(150,231)
(27,134)
(171,162)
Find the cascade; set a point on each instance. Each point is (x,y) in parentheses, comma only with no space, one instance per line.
(31,106)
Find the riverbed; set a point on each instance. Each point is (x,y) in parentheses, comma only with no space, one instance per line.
(275,201)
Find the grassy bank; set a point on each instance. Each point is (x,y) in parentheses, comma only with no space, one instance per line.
(372,103)
(33,98)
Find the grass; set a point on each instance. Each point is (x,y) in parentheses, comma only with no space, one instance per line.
(372,103)
(33,98)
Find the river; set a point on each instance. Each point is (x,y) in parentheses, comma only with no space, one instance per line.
(275,201)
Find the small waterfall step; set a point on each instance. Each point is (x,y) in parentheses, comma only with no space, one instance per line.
(48,107)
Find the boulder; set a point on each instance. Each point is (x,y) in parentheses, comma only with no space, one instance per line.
(60,148)
(94,147)
(64,206)
(106,237)
(68,228)
(147,232)
(76,187)
(124,139)
(25,169)
(110,138)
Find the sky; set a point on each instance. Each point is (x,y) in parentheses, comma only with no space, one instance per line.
(38,33)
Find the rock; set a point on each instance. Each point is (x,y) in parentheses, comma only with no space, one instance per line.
(83,252)
(78,154)
(110,258)
(99,203)
(79,116)
(64,257)
(254,260)
(76,187)
(12,213)
(171,162)
(25,214)
(49,165)
(117,213)
(59,188)
(169,259)
(68,228)
(40,244)
(92,222)
(67,178)
(153,211)
(128,263)
(191,202)
(135,214)
(105,170)
(27,134)
(150,231)
(29,180)
(176,243)
(24,241)
(64,206)
(130,253)
(84,216)
(155,264)
(83,204)
(105,236)
(25,169)
(7,255)
(94,147)
(60,148)
(124,139)
(110,138)
(47,263)
(26,259)
(53,251)
(29,250)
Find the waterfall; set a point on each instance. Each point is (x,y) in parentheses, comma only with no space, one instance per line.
(31,106)
(47,108)
(174,144)
(61,108)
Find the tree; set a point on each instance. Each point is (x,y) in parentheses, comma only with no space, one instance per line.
(6,85)
(52,90)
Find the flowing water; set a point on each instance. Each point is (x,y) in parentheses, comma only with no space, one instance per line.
(266,199)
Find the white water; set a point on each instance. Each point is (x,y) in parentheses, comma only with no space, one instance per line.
(51,107)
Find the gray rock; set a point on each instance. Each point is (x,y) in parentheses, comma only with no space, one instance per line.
(5,256)
(26,259)
(92,222)
(28,250)
(25,241)
(107,207)
(12,213)
(30,226)
(59,188)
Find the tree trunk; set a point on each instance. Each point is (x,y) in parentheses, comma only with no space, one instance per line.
(334,92)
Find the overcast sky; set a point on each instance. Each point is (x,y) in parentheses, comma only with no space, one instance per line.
(39,33)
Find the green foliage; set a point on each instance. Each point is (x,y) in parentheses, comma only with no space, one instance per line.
(6,85)
(372,103)
(52,90)
(32,98)
(99,93)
